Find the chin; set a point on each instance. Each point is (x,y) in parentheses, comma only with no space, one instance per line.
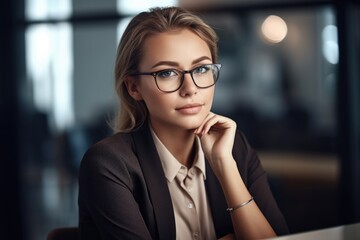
(192,124)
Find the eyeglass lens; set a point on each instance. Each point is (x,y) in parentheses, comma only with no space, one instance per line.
(203,76)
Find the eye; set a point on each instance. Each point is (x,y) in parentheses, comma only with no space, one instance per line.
(167,74)
(201,70)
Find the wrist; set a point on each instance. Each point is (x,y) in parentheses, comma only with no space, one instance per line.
(224,167)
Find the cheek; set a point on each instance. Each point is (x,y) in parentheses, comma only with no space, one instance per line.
(209,96)
(155,101)
(148,92)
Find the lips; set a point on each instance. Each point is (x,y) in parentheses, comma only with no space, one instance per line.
(190,108)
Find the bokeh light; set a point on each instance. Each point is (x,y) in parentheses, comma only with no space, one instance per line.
(274,29)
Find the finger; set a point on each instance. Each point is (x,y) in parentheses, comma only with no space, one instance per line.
(199,129)
(219,123)
(215,122)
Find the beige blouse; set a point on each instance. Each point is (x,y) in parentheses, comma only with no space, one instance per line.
(193,217)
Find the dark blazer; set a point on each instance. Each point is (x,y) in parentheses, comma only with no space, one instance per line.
(123,191)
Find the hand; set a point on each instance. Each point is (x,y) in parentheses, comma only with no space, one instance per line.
(217,135)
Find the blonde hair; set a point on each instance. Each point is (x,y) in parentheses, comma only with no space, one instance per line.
(134,113)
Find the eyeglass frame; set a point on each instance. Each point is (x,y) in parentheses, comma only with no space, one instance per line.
(183,72)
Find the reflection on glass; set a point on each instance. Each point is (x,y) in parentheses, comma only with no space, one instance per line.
(45,9)
(282,96)
(330,44)
(136,6)
(49,64)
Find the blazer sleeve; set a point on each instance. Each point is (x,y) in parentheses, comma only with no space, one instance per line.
(107,207)
(257,183)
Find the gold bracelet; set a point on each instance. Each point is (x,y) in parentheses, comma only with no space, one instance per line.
(230,209)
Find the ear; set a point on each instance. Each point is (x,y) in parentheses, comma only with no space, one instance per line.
(132,87)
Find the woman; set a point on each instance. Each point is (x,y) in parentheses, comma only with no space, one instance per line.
(174,169)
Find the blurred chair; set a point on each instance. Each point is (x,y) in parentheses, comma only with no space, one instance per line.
(65,233)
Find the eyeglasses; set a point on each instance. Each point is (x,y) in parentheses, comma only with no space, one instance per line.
(170,80)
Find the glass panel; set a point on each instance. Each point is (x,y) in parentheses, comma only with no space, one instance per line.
(136,6)
(274,81)
(94,57)
(282,95)
(46,9)
(199,4)
(49,64)
(70,75)
(95,7)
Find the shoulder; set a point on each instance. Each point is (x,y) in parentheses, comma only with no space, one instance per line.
(113,143)
(113,158)
(119,148)
(111,153)
(121,144)
(118,143)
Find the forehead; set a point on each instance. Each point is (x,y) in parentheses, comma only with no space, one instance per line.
(180,45)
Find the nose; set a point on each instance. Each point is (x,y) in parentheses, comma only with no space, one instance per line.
(188,86)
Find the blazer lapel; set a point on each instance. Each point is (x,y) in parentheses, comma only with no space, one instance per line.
(156,182)
(218,205)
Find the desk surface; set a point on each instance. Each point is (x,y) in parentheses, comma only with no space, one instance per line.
(347,232)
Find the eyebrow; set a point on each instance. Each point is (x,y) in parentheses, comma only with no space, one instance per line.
(176,64)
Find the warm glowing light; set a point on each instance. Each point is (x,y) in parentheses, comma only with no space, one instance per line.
(274,29)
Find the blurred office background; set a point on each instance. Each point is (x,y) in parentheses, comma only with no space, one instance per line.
(290,79)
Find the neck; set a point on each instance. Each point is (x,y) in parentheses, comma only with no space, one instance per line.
(180,142)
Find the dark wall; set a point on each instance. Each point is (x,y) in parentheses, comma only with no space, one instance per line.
(11,226)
